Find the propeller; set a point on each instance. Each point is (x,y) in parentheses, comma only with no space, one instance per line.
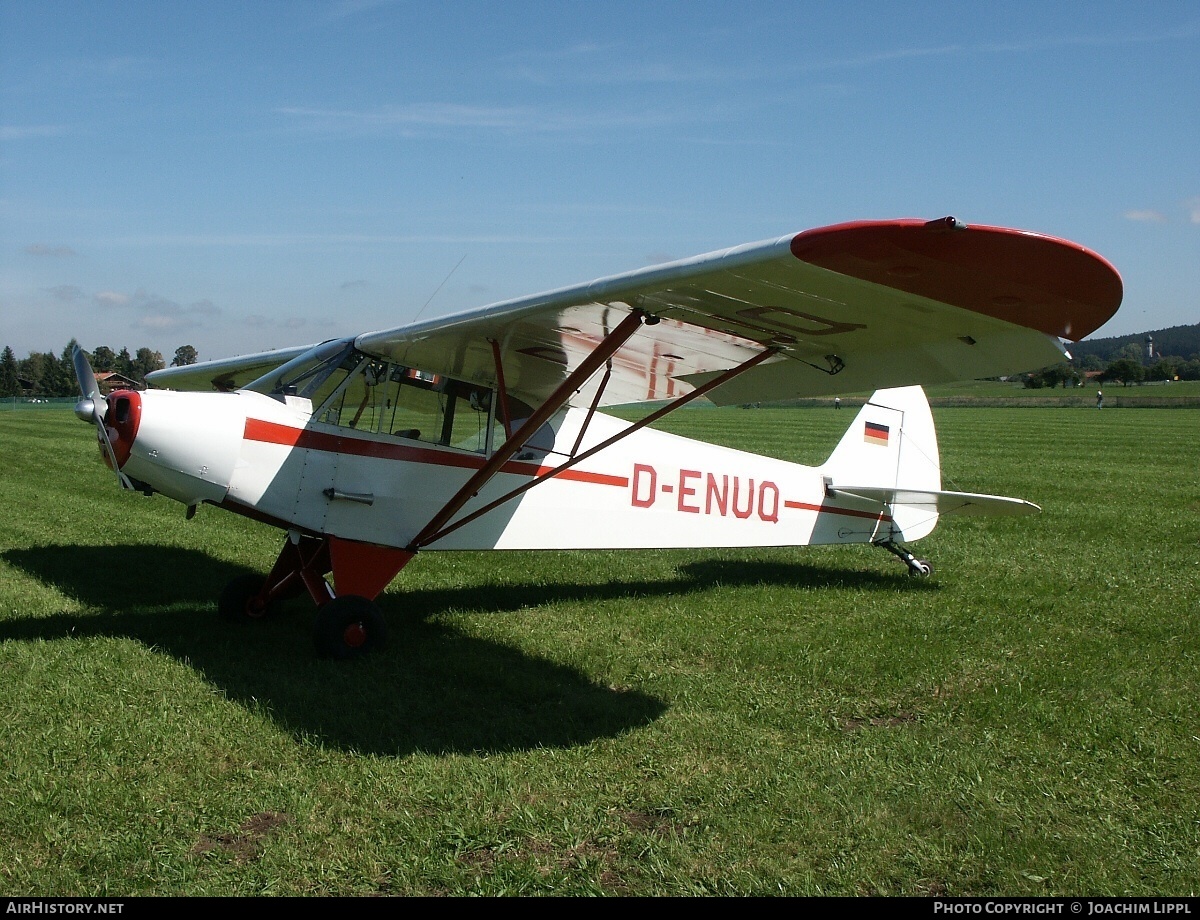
(92,407)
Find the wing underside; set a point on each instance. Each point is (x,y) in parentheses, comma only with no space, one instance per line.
(225,374)
(846,309)
(842,309)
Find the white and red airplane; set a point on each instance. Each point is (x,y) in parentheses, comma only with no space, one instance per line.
(483,430)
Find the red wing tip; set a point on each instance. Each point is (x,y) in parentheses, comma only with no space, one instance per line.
(1030,279)
(946,224)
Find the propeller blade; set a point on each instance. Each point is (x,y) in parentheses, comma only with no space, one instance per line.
(122,479)
(92,407)
(83,372)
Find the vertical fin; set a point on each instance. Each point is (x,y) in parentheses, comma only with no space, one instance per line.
(891,444)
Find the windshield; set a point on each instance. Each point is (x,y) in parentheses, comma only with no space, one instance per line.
(392,399)
(313,374)
(351,390)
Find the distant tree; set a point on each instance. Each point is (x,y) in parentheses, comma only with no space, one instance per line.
(1190,370)
(1134,351)
(1124,370)
(103,358)
(1062,375)
(184,355)
(1091,363)
(124,364)
(8,373)
(63,380)
(145,362)
(1056,375)
(33,369)
(1164,369)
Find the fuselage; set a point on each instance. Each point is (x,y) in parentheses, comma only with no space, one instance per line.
(267,457)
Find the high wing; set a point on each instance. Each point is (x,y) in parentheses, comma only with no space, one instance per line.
(841,309)
(223,374)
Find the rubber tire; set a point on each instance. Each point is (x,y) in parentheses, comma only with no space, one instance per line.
(925,574)
(349,627)
(235,603)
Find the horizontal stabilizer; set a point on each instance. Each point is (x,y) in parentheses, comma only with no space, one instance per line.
(942,502)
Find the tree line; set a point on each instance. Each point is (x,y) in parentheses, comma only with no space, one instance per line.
(1127,365)
(1172,340)
(44,374)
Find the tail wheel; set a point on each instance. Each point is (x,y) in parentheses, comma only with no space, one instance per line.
(349,627)
(921,568)
(242,600)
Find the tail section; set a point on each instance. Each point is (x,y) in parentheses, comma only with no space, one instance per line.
(890,446)
(889,456)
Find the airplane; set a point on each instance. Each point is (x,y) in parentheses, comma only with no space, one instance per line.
(484,430)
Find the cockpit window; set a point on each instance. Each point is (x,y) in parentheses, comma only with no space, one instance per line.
(351,390)
(391,399)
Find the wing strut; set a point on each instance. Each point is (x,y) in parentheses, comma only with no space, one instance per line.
(577,378)
(587,420)
(572,461)
(505,417)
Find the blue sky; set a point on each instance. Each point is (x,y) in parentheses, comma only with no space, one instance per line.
(240,176)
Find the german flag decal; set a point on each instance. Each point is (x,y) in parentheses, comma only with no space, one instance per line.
(874,433)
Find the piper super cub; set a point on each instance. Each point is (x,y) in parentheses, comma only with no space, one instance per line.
(483,430)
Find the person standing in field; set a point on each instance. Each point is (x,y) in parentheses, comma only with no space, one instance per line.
(1099,399)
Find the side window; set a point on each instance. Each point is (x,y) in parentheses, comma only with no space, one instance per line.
(413,405)
(359,403)
(469,409)
(403,402)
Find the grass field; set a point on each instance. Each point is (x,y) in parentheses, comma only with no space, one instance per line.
(751,722)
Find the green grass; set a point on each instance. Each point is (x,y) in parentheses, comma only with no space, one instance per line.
(997,394)
(750,722)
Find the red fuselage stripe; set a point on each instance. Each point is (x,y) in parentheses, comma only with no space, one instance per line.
(273,433)
(286,435)
(848,512)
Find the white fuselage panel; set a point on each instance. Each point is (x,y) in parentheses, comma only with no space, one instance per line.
(649,490)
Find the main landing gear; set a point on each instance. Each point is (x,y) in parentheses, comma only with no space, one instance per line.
(919,568)
(348,625)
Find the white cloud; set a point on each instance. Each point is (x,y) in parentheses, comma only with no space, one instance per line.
(1147,215)
(163,315)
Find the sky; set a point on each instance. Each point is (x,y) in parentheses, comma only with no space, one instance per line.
(240,177)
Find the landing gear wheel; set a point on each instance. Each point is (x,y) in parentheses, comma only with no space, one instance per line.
(919,568)
(240,601)
(349,627)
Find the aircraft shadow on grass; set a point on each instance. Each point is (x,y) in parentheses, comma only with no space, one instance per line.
(432,689)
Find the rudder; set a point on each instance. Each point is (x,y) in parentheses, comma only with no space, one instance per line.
(891,444)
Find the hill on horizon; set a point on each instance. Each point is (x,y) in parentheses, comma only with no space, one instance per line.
(1174,341)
